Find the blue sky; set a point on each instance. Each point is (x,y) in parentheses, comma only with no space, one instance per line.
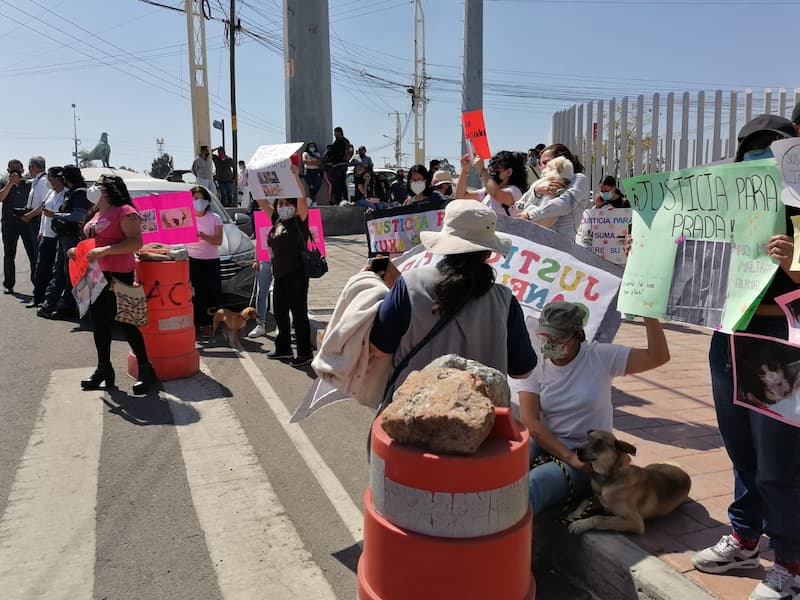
(124,64)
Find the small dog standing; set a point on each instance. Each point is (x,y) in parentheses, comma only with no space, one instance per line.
(630,493)
(233,323)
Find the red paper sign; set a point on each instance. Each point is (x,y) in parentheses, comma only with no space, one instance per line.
(79,264)
(475,132)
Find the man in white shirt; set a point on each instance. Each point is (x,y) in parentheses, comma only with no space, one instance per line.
(38,172)
(48,242)
(203,169)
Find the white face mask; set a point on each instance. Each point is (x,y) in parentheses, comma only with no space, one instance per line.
(286,212)
(417,187)
(93,194)
(200,205)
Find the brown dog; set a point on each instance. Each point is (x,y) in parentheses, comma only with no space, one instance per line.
(630,493)
(233,322)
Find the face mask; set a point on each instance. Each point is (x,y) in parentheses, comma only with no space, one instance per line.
(605,196)
(93,194)
(312,148)
(200,205)
(758,154)
(553,350)
(417,187)
(286,212)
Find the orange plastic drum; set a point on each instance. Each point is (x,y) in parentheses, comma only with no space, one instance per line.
(169,335)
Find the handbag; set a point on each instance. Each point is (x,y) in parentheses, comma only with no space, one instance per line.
(131,303)
(314,264)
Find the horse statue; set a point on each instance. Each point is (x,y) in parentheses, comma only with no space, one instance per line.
(101,152)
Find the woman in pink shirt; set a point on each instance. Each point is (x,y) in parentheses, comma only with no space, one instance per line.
(117,230)
(204,267)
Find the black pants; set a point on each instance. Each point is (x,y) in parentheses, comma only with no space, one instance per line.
(207,283)
(104,312)
(313,179)
(59,290)
(48,247)
(290,293)
(337,175)
(12,230)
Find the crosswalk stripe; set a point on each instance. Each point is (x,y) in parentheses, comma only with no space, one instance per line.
(342,502)
(255,549)
(47,533)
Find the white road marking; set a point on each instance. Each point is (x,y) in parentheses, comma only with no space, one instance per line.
(348,511)
(47,534)
(255,549)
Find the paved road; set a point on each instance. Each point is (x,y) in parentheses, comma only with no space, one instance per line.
(201,491)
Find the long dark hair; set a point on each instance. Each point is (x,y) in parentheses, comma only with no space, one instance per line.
(115,188)
(425,173)
(73,178)
(199,189)
(464,277)
(514,161)
(561,150)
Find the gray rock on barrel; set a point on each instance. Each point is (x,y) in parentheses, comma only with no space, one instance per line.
(444,410)
(496,383)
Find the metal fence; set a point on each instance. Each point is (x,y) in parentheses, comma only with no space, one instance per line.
(631,136)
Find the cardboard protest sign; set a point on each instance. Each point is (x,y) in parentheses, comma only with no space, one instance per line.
(787,157)
(396,230)
(603,231)
(698,243)
(263,225)
(269,172)
(167,218)
(767,376)
(475,132)
(88,287)
(541,267)
(795,266)
(790,304)
(79,264)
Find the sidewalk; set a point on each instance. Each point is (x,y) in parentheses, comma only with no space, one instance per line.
(668,415)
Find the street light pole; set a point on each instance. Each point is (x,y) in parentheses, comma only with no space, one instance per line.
(75,133)
(234,126)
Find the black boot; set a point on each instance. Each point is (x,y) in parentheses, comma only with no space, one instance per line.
(103,372)
(147,379)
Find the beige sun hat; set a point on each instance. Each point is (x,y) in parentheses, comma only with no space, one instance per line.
(469,226)
(441,177)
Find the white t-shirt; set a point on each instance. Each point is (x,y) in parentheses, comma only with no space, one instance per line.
(498,207)
(52,203)
(577,397)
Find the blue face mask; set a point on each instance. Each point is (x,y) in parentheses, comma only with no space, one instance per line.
(758,154)
(605,196)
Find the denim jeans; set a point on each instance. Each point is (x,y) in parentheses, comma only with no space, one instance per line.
(225,192)
(313,179)
(262,289)
(765,454)
(549,486)
(374,205)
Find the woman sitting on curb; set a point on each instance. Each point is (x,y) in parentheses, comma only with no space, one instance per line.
(569,393)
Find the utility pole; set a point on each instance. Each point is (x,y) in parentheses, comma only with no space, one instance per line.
(473,69)
(160,144)
(75,133)
(232,27)
(418,97)
(307,71)
(398,150)
(198,73)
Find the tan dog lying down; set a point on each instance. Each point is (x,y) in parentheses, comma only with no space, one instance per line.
(233,323)
(630,493)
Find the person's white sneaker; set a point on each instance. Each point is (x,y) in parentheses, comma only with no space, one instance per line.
(257,331)
(778,584)
(727,554)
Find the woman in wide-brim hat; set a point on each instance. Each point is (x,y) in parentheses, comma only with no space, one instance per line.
(485,323)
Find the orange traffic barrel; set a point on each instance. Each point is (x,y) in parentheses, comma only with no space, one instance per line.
(169,334)
(443,526)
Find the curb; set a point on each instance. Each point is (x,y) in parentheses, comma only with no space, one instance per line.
(608,565)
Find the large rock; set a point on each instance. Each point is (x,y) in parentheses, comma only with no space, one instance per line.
(444,410)
(496,382)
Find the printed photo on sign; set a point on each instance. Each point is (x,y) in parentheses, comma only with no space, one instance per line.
(790,304)
(269,172)
(699,283)
(767,376)
(175,218)
(149,220)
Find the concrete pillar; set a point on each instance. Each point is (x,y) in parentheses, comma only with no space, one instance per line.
(473,69)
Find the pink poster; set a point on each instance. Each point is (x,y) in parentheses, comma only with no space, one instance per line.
(263,226)
(167,218)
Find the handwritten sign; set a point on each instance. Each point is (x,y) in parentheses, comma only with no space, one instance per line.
(269,172)
(603,231)
(79,264)
(787,157)
(475,132)
(263,225)
(396,230)
(698,243)
(167,218)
